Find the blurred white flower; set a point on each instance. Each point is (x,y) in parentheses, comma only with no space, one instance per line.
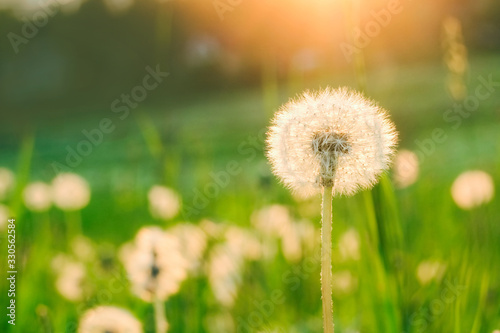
(82,248)
(299,238)
(154,264)
(37,197)
(70,192)
(310,235)
(272,220)
(70,277)
(224,273)
(472,189)
(406,168)
(344,282)
(296,236)
(107,319)
(243,243)
(7,181)
(349,245)
(334,137)
(164,203)
(430,270)
(192,242)
(212,229)
(291,243)
(4,216)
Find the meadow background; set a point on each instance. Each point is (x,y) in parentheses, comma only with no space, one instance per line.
(406,258)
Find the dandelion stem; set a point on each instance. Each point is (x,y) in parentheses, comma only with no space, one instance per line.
(160,319)
(326,259)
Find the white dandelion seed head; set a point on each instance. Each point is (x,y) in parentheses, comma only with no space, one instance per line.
(164,203)
(104,319)
(472,189)
(154,263)
(7,181)
(37,197)
(333,137)
(406,168)
(70,192)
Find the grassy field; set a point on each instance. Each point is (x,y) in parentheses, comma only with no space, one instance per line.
(181,146)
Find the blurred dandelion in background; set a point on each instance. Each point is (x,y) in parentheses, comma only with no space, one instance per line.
(70,276)
(291,243)
(271,220)
(83,249)
(156,268)
(224,274)
(192,242)
(344,282)
(406,168)
(164,203)
(212,229)
(154,264)
(243,243)
(430,270)
(301,237)
(349,245)
(107,319)
(472,189)
(70,192)
(37,197)
(275,222)
(7,181)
